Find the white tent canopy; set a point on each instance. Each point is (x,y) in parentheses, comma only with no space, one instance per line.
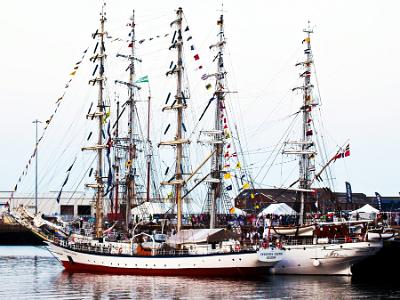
(278,209)
(154,208)
(366,212)
(365,209)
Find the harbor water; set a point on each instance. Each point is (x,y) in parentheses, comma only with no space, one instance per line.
(29,272)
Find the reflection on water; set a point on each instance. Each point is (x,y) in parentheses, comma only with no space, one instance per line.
(30,273)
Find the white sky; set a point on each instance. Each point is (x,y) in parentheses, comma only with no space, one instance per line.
(356,50)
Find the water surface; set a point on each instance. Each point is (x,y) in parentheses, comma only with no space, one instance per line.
(32,273)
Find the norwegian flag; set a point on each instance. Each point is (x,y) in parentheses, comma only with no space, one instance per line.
(343,153)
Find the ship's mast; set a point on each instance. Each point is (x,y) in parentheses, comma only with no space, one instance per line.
(100,105)
(148,162)
(305,148)
(100,56)
(179,104)
(116,166)
(131,103)
(130,182)
(178,97)
(307,142)
(215,192)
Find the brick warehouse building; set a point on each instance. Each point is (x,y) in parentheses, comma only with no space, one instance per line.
(326,199)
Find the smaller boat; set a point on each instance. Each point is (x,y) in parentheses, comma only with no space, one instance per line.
(303,230)
(382,233)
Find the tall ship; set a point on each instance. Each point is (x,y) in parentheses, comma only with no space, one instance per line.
(314,247)
(212,251)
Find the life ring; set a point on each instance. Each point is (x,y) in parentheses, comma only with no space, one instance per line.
(120,250)
(279,245)
(264,245)
(237,247)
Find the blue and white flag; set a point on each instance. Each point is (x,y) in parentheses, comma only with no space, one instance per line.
(378,199)
(349,196)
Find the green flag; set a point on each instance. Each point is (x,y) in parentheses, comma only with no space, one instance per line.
(142,79)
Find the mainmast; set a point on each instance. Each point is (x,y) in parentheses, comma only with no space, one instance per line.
(179,104)
(305,147)
(306,158)
(130,177)
(130,182)
(100,56)
(215,191)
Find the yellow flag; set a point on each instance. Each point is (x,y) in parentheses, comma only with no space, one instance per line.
(128,163)
(72,73)
(227,176)
(306,40)
(238,165)
(246,186)
(252,196)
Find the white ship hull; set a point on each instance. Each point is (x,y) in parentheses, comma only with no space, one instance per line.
(224,264)
(324,259)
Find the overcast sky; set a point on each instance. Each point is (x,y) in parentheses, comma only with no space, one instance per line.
(356,50)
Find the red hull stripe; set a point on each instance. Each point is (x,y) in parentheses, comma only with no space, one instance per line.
(193,272)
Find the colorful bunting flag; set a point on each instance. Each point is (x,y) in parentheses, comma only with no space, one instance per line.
(143,79)
(227,176)
(246,185)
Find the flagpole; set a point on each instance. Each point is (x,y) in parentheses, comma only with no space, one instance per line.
(36,122)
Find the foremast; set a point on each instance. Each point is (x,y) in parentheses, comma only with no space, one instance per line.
(100,57)
(306,150)
(179,105)
(215,190)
